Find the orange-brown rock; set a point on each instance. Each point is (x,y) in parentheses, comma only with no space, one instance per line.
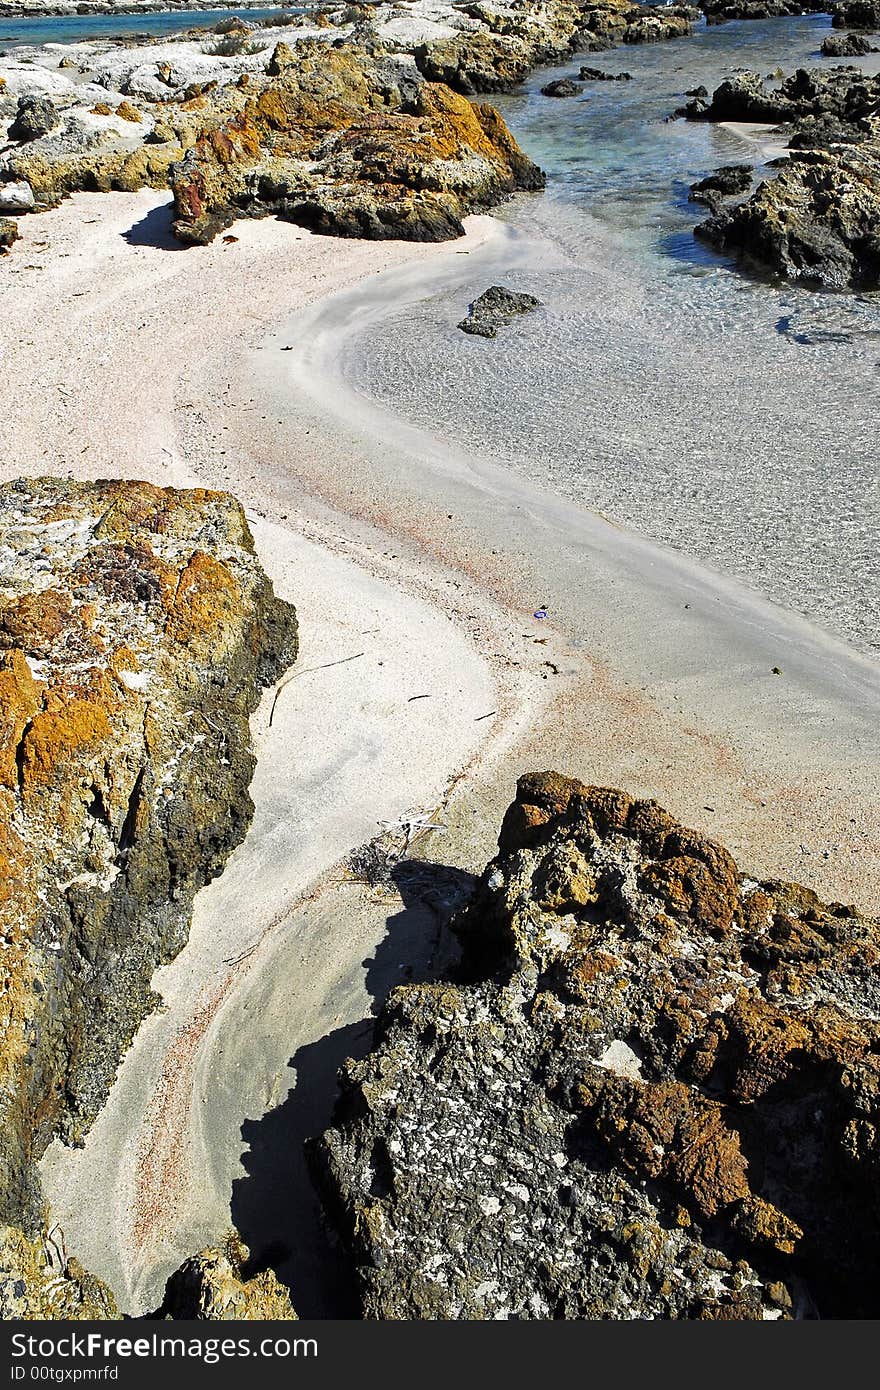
(137,630)
(653,1091)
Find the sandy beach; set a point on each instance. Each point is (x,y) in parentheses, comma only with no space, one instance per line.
(225,366)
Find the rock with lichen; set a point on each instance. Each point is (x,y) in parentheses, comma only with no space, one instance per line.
(345,143)
(137,631)
(652,1090)
(215,1285)
(40,1282)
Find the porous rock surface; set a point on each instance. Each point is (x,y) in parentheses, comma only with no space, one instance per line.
(214,1286)
(341,141)
(137,631)
(494,308)
(818,222)
(653,1092)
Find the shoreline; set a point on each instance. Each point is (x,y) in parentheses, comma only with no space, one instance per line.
(657,718)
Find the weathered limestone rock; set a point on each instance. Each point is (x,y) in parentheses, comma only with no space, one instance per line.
(494,308)
(34,117)
(856,14)
(342,143)
(653,1092)
(213,1285)
(817,223)
(38,1281)
(8,234)
(137,630)
(847,46)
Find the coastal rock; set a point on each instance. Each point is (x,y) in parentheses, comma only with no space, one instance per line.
(334,145)
(856,14)
(495,308)
(16,197)
(844,93)
(213,1285)
(137,631)
(722,11)
(651,1092)
(562,87)
(597,75)
(817,223)
(34,117)
(725,182)
(40,1282)
(9,233)
(847,46)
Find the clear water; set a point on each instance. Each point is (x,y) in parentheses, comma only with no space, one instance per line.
(732,418)
(75,28)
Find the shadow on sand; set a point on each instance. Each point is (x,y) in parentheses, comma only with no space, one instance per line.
(275,1207)
(155,230)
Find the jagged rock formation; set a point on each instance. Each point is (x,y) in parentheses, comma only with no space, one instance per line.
(39,1281)
(818,222)
(856,14)
(726,182)
(137,630)
(494,308)
(653,1092)
(342,142)
(214,1285)
(9,234)
(847,46)
(721,11)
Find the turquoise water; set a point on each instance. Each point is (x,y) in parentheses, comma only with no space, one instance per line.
(74,28)
(730,417)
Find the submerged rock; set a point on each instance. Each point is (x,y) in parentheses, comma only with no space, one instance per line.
(653,1091)
(137,631)
(214,1285)
(561,87)
(817,223)
(495,308)
(725,182)
(597,75)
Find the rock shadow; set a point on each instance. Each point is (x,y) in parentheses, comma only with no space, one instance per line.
(155,230)
(276,1207)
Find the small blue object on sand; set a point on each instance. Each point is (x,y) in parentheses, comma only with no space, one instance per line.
(540,613)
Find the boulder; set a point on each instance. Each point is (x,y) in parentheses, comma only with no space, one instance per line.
(35,116)
(847,46)
(725,182)
(817,223)
(9,233)
(856,14)
(16,197)
(495,308)
(598,75)
(651,1090)
(561,87)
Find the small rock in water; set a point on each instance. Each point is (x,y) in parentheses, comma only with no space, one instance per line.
(562,87)
(725,182)
(597,75)
(494,308)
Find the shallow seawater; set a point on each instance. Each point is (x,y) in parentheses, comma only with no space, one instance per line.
(75,28)
(731,417)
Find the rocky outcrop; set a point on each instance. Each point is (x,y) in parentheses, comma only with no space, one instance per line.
(856,14)
(137,631)
(40,1282)
(817,223)
(722,11)
(588,74)
(512,40)
(345,143)
(214,1285)
(843,94)
(726,182)
(653,1091)
(494,308)
(847,46)
(561,87)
